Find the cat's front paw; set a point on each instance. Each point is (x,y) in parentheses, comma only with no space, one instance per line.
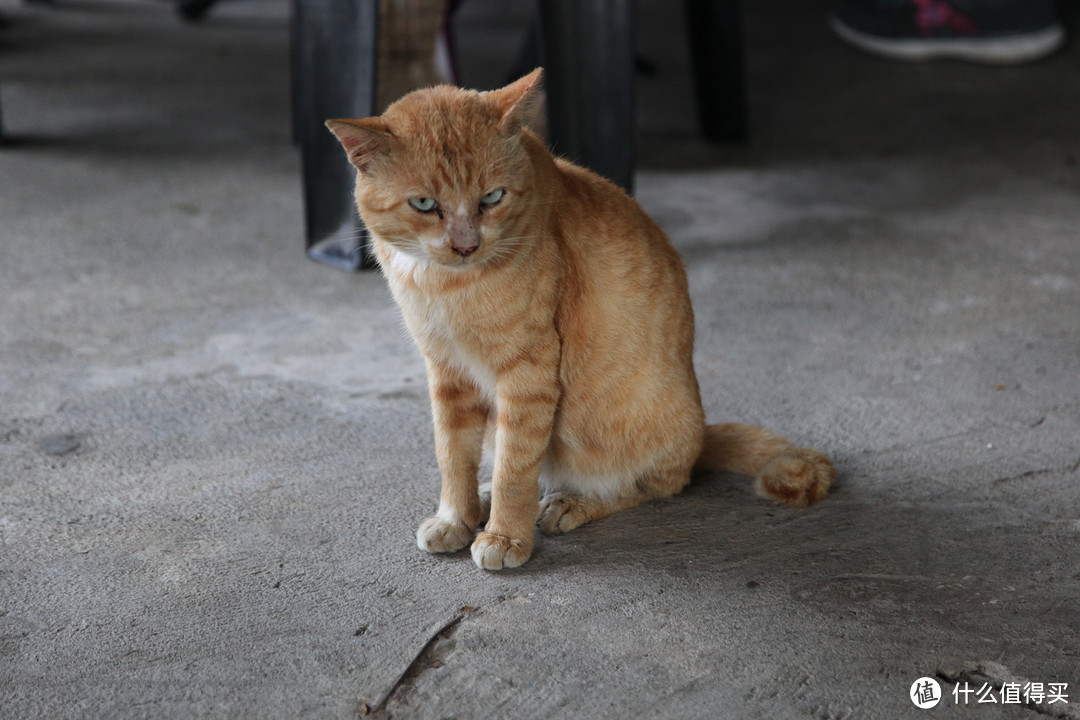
(798,478)
(437,535)
(561,512)
(495,552)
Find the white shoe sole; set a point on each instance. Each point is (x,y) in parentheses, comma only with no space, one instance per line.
(1007,50)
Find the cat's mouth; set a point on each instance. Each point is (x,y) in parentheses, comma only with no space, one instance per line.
(441,254)
(455,257)
(458,261)
(408,260)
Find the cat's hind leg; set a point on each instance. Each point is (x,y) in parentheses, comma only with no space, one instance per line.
(562,512)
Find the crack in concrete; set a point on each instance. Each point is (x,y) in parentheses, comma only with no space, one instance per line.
(376,708)
(1021,476)
(1041,471)
(996,674)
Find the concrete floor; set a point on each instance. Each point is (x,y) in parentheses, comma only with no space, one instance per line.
(214,453)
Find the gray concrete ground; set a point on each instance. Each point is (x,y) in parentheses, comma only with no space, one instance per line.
(214,453)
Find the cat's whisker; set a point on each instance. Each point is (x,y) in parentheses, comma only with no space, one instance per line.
(355,234)
(523,237)
(401,239)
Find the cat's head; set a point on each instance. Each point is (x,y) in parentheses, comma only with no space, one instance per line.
(444,175)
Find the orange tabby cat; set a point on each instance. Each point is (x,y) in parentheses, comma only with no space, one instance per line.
(554,320)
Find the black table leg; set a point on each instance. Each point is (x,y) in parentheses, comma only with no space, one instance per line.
(716,45)
(334,58)
(589,57)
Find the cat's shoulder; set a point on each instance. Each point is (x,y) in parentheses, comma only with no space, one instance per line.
(587,185)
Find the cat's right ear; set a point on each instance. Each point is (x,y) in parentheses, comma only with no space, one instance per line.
(517,102)
(364,139)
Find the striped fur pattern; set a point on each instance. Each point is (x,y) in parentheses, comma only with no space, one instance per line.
(555,322)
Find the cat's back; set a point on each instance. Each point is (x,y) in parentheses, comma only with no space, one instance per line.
(627,332)
(606,219)
(625,304)
(613,246)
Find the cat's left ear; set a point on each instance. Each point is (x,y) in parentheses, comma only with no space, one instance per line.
(363,139)
(516,102)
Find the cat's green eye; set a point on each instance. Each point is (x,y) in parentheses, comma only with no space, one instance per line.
(424,205)
(492,198)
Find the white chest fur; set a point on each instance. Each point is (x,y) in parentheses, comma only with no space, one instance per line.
(441,323)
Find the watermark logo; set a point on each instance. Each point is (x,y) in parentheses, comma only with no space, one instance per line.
(925,693)
(1012,693)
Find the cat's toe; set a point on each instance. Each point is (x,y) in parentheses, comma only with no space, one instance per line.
(437,535)
(797,478)
(496,552)
(561,513)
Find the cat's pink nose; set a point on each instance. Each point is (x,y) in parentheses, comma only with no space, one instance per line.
(462,234)
(464,249)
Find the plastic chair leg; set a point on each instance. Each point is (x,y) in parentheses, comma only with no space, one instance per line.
(334,59)
(589,56)
(716,43)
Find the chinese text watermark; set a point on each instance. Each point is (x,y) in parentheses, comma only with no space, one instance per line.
(926,693)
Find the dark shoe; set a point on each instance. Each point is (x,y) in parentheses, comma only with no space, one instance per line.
(986,31)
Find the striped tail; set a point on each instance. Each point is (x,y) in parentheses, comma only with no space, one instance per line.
(782,471)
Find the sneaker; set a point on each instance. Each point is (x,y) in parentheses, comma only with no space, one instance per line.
(985,31)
